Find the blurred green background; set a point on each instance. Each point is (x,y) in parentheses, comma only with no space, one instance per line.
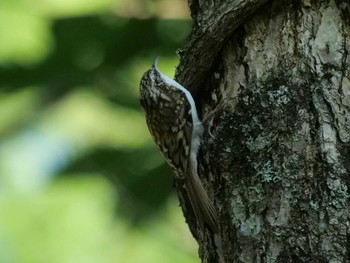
(80,178)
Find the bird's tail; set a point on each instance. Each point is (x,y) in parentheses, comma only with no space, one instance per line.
(202,206)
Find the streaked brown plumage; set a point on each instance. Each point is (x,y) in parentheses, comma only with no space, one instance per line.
(172,120)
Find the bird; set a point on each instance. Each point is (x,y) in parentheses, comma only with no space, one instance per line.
(173,121)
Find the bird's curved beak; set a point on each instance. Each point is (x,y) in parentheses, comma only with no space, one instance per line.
(155,62)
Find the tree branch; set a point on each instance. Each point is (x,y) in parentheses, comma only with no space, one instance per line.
(208,39)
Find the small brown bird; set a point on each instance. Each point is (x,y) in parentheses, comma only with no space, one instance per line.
(173,122)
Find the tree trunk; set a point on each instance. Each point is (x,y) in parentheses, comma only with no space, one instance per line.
(274,89)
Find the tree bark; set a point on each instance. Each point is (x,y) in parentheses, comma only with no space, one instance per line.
(274,90)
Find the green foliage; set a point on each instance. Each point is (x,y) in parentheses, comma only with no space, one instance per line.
(80,178)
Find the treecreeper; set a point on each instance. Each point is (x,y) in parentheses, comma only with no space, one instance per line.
(173,122)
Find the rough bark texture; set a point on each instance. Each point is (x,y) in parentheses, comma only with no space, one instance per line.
(276,155)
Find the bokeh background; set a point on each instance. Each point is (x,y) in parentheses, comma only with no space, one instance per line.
(80,178)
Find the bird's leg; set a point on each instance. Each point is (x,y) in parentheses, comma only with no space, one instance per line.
(209,119)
